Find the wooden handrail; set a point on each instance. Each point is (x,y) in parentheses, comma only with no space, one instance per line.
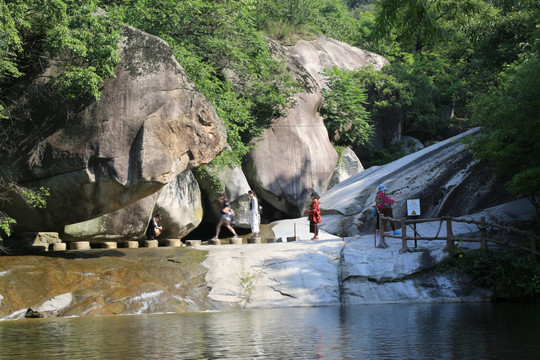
(482,225)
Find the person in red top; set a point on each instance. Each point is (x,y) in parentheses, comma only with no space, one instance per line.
(314,216)
(383,204)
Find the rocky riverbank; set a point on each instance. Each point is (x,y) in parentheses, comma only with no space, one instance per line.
(284,274)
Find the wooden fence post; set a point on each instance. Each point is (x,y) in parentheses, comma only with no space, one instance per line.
(483,227)
(382,224)
(404,248)
(449,235)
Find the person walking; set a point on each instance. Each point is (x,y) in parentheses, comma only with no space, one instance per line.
(254,214)
(314,215)
(154,229)
(226,217)
(383,205)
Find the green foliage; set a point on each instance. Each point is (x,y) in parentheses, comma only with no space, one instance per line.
(345,115)
(375,156)
(509,117)
(33,197)
(5,225)
(224,55)
(82,42)
(290,20)
(420,23)
(508,273)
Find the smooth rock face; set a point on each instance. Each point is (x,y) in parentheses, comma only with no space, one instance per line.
(236,187)
(149,125)
(347,166)
(325,53)
(128,223)
(180,203)
(52,307)
(295,156)
(443,177)
(105,282)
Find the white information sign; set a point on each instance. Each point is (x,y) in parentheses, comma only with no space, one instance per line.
(413,207)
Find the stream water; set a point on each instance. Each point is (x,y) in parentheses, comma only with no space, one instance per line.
(391,331)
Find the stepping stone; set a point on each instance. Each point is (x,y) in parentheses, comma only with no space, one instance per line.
(271,240)
(151,243)
(131,244)
(254,240)
(237,241)
(214,242)
(59,246)
(109,245)
(193,242)
(79,245)
(173,243)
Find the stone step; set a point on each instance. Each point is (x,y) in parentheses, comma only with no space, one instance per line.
(59,246)
(131,244)
(254,240)
(237,241)
(79,245)
(151,243)
(193,242)
(173,243)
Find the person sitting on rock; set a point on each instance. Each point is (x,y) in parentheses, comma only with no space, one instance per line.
(154,230)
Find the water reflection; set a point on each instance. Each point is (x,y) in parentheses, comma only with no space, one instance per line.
(414,331)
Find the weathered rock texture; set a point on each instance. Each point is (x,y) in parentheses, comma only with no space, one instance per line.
(150,125)
(179,202)
(236,186)
(295,156)
(348,165)
(105,282)
(443,177)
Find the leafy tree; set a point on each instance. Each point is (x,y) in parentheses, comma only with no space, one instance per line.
(509,117)
(419,22)
(224,55)
(33,197)
(82,42)
(343,108)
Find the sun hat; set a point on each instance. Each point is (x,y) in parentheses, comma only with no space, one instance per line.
(382,187)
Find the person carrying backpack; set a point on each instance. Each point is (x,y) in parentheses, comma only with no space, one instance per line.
(227,215)
(383,204)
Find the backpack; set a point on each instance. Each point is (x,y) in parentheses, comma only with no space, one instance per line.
(260,209)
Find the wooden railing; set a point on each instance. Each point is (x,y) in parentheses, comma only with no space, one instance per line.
(482,226)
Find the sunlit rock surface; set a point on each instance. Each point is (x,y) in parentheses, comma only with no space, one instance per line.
(444,177)
(295,156)
(331,271)
(150,125)
(107,282)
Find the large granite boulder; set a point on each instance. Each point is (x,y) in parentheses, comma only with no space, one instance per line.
(444,177)
(179,202)
(127,223)
(348,165)
(295,156)
(235,185)
(150,124)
